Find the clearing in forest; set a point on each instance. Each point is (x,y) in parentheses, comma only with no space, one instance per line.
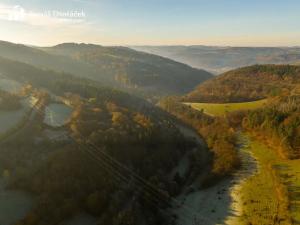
(220,109)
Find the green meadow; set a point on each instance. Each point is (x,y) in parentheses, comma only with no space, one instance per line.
(289,171)
(220,109)
(264,196)
(272,194)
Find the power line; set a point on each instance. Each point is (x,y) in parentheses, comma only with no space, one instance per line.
(115,167)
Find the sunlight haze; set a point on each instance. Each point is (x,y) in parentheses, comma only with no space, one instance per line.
(154,22)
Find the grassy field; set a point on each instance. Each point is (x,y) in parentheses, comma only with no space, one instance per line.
(271,196)
(289,171)
(264,195)
(221,109)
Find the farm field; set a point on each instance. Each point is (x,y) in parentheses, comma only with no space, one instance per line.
(220,109)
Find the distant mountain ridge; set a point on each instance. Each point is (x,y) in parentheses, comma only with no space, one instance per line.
(120,67)
(222,59)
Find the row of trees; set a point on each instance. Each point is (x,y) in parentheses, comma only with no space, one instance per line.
(279,123)
(217,133)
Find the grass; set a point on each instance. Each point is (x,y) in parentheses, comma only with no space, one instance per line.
(274,192)
(216,109)
(264,196)
(289,171)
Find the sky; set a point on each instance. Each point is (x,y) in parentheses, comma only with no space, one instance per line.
(152,22)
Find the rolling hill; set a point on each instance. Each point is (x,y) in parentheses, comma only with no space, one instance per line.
(222,59)
(135,70)
(247,84)
(139,73)
(277,121)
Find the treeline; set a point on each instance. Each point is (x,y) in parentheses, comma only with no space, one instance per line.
(247,84)
(217,133)
(279,123)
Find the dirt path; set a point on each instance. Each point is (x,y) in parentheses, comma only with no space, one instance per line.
(249,167)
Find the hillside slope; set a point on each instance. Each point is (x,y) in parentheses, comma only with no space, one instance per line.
(247,84)
(42,59)
(138,73)
(65,175)
(135,70)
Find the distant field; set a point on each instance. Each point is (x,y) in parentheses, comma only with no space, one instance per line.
(216,109)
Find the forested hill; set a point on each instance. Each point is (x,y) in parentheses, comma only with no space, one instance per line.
(131,130)
(139,73)
(247,84)
(42,59)
(135,70)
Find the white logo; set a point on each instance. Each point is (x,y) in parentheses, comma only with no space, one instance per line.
(17,13)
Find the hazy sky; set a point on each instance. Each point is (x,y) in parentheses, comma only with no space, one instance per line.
(152,22)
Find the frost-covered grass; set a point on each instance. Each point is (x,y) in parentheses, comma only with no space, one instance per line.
(214,205)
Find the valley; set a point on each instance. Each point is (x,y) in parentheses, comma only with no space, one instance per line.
(91,151)
(263,189)
(160,112)
(260,192)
